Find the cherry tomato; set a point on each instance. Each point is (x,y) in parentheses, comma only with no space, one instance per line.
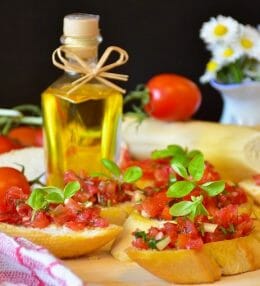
(10,177)
(7,144)
(27,136)
(172,97)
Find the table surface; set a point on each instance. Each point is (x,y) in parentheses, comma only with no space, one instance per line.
(102,269)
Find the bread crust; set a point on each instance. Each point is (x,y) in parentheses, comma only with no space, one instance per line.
(206,265)
(65,243)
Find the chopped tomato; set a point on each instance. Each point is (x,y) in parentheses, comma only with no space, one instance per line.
(226,216)
(41,220)
(186,241)
(62,214)
(165,214)
(75,225)
(210,174)
(10,178)
(153,206)
(140,243)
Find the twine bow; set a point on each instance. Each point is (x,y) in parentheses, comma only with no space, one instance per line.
(99,72)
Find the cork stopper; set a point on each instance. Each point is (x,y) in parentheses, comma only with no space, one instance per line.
(81,25)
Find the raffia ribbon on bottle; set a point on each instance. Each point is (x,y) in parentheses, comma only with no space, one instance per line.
(67,60)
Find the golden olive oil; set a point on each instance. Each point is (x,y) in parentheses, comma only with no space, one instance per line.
(80,129)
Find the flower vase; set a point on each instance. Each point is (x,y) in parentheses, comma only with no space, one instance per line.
(241,103)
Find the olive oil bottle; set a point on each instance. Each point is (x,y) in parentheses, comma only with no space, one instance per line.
(82,126)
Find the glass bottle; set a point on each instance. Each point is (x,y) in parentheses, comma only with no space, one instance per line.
(81,127)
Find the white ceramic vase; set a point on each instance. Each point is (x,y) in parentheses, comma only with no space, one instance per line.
(241,103)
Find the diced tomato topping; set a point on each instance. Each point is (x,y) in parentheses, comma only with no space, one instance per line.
(210,174)
(217,235)
(165,214)
(62,214)
(41,220)
(153,206)
(140,243)
(187,241)
(226,216)
(75,225)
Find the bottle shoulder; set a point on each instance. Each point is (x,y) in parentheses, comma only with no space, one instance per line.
(90,90)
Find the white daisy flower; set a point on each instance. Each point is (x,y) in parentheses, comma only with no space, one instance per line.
(227,54)
(249,42)
(212,67)
(220,29)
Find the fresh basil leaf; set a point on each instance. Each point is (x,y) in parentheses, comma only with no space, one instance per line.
(196,167)
(201,210)
(179,168)
(164,153)
(213,188)
(193,153)
(181,209)
(180,189)
(170,151)
(55,196)
(111,166)
(181,158)
(176,150)
(132,174)
(99,174)
(193,212)
(71,189)
(37,199)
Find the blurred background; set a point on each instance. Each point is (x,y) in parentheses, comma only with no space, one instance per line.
(160,36)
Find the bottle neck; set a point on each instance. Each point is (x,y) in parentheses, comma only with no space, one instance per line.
(84,48)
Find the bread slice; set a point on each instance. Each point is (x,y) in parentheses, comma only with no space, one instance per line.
(64,242)
(117,214)
(182,266)
(206,265)
(123,241)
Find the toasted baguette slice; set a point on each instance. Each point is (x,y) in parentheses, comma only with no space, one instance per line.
(117,214)
(182,266)
(206,265)
(123,241)
(135,221)
(64,242)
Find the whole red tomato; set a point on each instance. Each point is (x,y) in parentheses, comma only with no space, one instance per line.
(10,177)
(7,144)
(26,135)
(172,97)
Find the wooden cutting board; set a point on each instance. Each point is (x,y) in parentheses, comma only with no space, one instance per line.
(103,269)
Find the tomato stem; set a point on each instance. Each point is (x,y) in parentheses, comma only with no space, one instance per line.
(18,115)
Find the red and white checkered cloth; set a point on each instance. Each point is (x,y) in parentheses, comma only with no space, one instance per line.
(24,263)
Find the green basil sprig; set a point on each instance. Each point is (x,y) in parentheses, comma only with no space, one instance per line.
(130,175)
(191,208)
(189,165)
(40,198)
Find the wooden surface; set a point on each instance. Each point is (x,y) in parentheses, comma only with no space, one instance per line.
(103,269)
